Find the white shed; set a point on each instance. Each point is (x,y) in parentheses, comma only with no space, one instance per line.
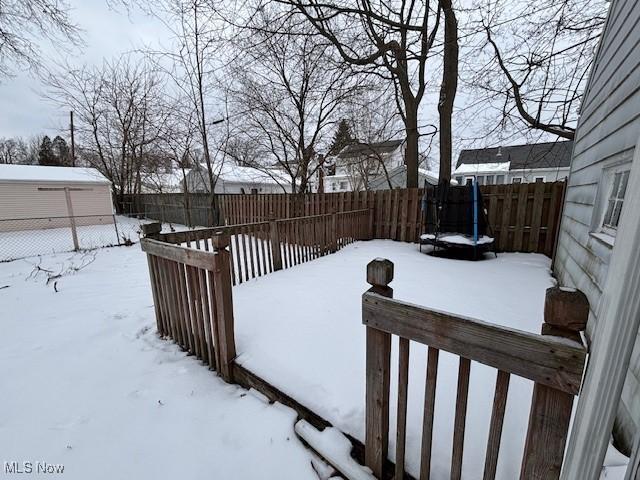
(35,197)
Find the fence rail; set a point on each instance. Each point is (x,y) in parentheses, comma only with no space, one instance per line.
(554,364)
(259,248)
(524,217)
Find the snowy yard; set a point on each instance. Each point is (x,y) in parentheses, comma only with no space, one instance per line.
(87,384)
(301,330)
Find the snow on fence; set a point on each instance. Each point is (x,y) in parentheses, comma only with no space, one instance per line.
(192,273)
(524,217)
(554,364)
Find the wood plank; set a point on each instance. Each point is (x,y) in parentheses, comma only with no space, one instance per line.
(429,410)
(378,357)
(176,253)
(521,213)
(403,386)
(503,242)
(460,419)
(554,362)
(495,429)
(548,426)
(536,216)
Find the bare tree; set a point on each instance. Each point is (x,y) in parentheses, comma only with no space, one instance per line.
(13,151)
(119,116)
(392,40)
(23,23)
(536,61)
(288,92)
(191,63)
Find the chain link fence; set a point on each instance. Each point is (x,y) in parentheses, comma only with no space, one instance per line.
(27,237)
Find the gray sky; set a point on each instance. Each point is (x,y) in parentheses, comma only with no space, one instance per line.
(107,33)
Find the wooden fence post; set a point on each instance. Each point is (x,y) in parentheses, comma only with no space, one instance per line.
(565,314)
(275,243)
(379,275)
(224,305)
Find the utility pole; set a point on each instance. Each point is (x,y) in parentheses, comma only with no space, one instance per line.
(73,143)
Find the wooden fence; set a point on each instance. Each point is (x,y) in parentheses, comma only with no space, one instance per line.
(554,364)
(192,273)
(523,217)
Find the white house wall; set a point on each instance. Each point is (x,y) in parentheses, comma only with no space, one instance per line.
(608,130)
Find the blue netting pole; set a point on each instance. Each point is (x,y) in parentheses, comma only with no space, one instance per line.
(475,212)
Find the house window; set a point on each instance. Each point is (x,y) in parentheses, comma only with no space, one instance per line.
(499,179)
(343,185)
(489,180)
(480,179)
(615,201)
(254,191)
(538,179)
(516,180)
(334,187)
(460,180)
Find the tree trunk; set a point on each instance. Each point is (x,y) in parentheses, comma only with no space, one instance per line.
(448,88)
(411,153)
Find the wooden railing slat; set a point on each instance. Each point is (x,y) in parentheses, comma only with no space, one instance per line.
(495,429)
(460,419)
(429,410)
(403,387)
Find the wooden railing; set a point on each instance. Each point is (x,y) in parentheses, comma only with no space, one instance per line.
(554,364)
(193,301)
(257,249)
(192,273)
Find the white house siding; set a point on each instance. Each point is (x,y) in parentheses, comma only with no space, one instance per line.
(608,130)
(34,200)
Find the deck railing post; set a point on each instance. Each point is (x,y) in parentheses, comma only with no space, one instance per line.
(378,359)
(224,324)
(275,243)
(565,315)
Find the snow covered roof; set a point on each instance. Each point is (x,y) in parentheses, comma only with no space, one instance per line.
(39,173)
(472,168)
(231,173)
(364,149)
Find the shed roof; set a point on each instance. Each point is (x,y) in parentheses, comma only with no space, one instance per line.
(535,155)
(39,173)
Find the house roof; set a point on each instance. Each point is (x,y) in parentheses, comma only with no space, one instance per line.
(536,155)
(471,168)
(232,173)
(39,173)
(362,148)
(428,175)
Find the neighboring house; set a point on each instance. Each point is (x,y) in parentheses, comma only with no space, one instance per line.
(546,162)
(231,178)
(357,164)
(596,204)
(167,182)
(398,179)
(36,197)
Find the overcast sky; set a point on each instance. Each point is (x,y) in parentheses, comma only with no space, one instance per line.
(107,33)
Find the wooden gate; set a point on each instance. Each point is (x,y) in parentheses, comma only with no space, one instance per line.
(554,364)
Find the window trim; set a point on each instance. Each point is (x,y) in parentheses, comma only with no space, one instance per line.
(609,229)
(517,178)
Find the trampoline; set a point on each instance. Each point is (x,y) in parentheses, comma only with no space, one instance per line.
(454,217)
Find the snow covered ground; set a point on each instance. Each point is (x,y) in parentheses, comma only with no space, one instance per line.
(87,384)
(301,330)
